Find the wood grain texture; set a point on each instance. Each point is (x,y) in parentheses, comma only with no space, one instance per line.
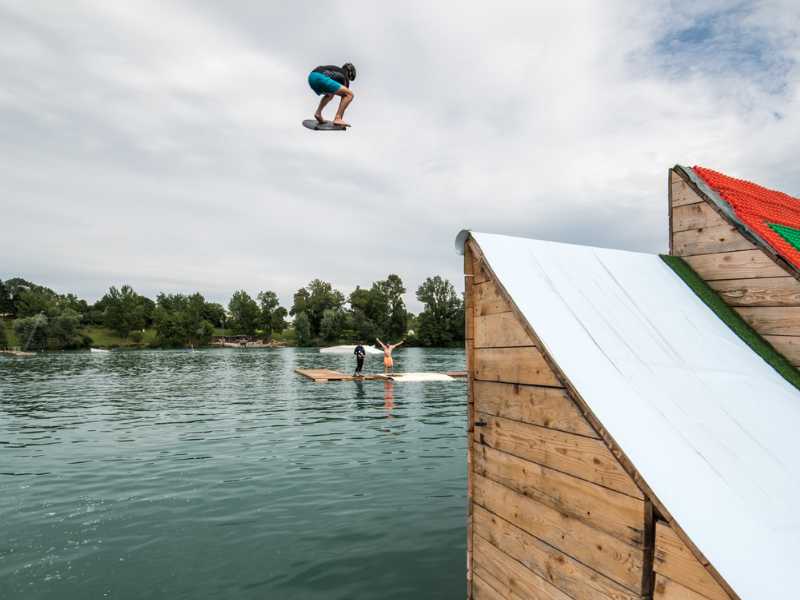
(717,238)
(595,549)
(744,264)
(583,457)
(695,216)
(675,561)
(537,405)
(764,291)
(514,365)
(489,300)
(666,589)
(570,576)
(612,512)
(512,579)
(769,320)
(500,330)
(682,193)
(482,590)
(787,345)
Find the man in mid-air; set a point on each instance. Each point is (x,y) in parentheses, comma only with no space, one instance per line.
(329,81)
(388,361)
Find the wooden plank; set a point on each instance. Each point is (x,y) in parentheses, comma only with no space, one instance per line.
(595,549)
(479,271)
(583,457)
(500,330)
(537,405)
(682,193)
(674,560)
(666,589)
(744,264)
(576,579)
(768,320)
(489,300)
(515,580)
(717,238)
(514,365)
(765,291)
(481,590)
(695,216)
(612,512)
(788,345)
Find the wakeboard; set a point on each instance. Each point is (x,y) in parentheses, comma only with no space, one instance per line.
(326,126)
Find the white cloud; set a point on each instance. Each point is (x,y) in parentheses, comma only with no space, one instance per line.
(159,144)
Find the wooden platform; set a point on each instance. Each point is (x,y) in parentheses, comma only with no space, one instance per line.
(323,375)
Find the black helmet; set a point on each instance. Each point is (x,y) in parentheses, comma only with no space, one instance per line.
(350,69)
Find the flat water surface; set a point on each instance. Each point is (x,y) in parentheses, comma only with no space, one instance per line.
(223,474)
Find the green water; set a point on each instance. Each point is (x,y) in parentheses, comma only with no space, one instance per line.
(222,474)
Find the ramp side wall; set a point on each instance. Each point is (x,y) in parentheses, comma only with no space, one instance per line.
(765,294)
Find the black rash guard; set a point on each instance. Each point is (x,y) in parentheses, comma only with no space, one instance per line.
(336,73)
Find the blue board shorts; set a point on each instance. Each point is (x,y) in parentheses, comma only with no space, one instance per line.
(322,84)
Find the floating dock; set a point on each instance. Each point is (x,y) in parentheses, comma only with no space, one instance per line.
(325,375)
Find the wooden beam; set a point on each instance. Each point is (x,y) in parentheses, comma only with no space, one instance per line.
(787,345)
(488,300)
(513,365)
(538,405)
(764,291)
(681,193)
(609,511)
(666,589)
(596,549)
(481,590)
(695,216)
(768,320)
(718,238)
(583,457)
(674,560)
(564,572)
(743,264)
(500,330)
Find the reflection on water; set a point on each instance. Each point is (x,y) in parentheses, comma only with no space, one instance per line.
(222,474)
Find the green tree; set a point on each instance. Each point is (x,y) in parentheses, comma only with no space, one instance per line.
(302,329)
(124,310)
(244,313)
(64,331)
(6,306)
(3,335)
(214,313)
(179,321)
(32,332)
(334,322)
(442,320)
(268,304)
(317,297)
(279,323)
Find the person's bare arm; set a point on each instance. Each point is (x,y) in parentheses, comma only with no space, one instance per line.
(381,343)
(400,343)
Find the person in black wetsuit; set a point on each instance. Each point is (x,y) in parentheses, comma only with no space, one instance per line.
(329,81)
(360,354)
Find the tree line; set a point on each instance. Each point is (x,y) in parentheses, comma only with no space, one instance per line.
(43,319)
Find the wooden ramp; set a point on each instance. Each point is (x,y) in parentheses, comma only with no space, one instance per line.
(323,375)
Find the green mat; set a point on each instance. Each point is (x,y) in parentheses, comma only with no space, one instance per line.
(732,319)
(790,234)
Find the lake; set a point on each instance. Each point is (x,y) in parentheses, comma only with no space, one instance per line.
(223,474)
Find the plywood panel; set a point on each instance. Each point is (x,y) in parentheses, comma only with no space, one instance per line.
(695,216)
(500,330)
(718,238)
(489,300)
(765,291)
(480,273)
(515,580)
(583,457)
(682,194)
(772,320)
(567,574)
(734,265)
(482,590)
(538,405)
(675,561)
(787,345)
(617,514)
(514,365)
(597,550)
(666,589)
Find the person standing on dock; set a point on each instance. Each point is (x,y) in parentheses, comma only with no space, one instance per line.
(388,362)
(360,354)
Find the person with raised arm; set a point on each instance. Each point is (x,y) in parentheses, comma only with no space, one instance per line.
(388,362)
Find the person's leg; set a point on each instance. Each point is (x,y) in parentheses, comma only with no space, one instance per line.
(347,98)
(323,102)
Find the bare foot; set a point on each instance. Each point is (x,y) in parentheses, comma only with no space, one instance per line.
(340,122)
(319,118)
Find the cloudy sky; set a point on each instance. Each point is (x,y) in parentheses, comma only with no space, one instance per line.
(159,143)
